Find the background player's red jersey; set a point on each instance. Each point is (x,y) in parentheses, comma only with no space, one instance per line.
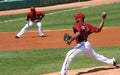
(35,16)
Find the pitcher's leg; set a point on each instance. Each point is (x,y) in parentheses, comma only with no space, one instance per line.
(69,57)
(39,24)
(91,53)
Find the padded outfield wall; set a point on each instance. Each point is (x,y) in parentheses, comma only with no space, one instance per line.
(18,4)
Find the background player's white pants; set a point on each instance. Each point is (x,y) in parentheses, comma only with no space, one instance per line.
(28,25)
(83,47)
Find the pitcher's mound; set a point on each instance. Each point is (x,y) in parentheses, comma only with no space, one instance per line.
(102,70)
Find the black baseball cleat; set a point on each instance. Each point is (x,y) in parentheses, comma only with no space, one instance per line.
(17,37)
(115,63)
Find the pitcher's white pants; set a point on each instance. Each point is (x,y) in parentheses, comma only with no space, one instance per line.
(83,47)
(28,25)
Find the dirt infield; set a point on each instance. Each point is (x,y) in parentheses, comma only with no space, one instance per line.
(102,70)
(31,40)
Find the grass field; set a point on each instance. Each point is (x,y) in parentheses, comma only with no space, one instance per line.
(38,61)
(63,19)
(34,62)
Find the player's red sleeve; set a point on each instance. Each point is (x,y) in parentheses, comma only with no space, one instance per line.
(40,13)
(77,27)
(93,29)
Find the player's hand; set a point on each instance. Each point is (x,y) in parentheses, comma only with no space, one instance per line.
(104,15)
(68,42)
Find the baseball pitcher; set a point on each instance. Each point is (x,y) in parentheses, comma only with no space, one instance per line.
(81,32)
(33,17)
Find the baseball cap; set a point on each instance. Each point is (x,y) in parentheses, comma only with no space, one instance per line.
(32,8)
(79,15)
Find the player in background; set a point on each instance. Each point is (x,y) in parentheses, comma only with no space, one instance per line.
(81,32)
(33,17)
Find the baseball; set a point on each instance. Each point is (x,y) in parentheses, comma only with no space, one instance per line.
(104,15)
(103,12)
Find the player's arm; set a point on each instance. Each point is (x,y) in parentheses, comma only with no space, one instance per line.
(27,18)
(102,21)
(73,37)
(42,15)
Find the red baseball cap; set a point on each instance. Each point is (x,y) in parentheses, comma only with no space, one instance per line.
(32,8)
(79,15)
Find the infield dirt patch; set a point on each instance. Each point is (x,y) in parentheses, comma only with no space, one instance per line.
(102,70)
(54,39)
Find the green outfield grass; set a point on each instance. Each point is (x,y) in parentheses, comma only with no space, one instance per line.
(34,62)
(63,19)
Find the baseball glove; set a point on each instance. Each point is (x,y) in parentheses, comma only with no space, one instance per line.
(67,37)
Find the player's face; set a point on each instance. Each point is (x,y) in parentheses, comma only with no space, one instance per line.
(33,11)
(79,20)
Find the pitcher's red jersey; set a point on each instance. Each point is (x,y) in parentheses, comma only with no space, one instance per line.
(85,30)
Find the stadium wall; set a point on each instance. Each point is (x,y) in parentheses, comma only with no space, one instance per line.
(18,4)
